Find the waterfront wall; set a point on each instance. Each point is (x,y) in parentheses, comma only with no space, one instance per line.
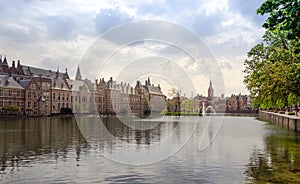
(291,122)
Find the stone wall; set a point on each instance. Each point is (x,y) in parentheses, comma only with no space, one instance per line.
(291,122)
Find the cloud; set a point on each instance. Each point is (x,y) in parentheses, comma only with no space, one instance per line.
(248,9)
(224,64)
(45,33)
(18,34)
(60,27)
(109,18)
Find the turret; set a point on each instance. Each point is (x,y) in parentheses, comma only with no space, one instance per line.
(78,74)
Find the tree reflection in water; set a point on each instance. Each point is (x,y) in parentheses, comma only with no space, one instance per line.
(278,162)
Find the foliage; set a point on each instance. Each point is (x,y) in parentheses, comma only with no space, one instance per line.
(11,108)
(272,67)
(181,113)
(284,16)
(66,110)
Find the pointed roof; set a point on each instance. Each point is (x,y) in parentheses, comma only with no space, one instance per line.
(4,62)
(9,82)
(210,83)
(78,74)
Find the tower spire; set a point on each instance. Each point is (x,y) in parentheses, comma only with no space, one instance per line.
(149,81)
(78,74)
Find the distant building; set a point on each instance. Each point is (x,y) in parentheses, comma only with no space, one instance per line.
(11,94)
(239,102)
(156,99)
(210,91)
(37,100)
(61,93)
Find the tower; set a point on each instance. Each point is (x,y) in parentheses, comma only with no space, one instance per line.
(78,74)
(210,91)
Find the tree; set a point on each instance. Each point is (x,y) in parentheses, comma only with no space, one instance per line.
(273,66)
(284,16)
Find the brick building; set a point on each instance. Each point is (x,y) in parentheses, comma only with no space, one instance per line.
(11,94)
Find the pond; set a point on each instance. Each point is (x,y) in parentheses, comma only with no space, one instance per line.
(162,150)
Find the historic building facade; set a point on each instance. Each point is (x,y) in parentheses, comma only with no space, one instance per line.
(36,91)
(11,95)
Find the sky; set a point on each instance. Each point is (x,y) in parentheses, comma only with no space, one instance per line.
(65,33)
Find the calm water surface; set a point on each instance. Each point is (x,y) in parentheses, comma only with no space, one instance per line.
(58,150)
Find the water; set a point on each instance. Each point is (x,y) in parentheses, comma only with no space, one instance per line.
(57,150)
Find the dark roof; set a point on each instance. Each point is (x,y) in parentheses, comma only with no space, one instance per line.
(24,83)
(9,82)
(59,83)
(78,74)
(153,90)
(5,62)
(29,70)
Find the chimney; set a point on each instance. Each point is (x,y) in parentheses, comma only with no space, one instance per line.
(96,81)
(57,72)
(18,66)
(146,82)
(13,64)
(111,79)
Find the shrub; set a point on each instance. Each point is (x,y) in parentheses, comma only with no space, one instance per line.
(291,113)
(12,108)
(66,110)
(281,112)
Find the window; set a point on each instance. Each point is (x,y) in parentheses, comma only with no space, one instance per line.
(29,94)
(9,92)
(32,86)
(63,96)
(58,98)
(18,93)
(34,104)
(53,96)
(1,92)
(1,103)
(34,94)
(28,104)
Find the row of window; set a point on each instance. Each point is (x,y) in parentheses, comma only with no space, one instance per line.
(3,103)
(60,96)
(9,92)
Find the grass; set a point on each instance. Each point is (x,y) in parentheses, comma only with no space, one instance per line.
(181,113)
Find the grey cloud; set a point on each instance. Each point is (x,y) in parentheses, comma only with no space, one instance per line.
(19,35)
(173,7)
(60,27)
(248,9)
(109,18)
(225,65)
(207,25)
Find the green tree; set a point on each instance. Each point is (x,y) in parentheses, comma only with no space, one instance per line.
(284,16)
(273,67)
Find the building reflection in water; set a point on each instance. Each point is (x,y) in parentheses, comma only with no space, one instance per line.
(23,142)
